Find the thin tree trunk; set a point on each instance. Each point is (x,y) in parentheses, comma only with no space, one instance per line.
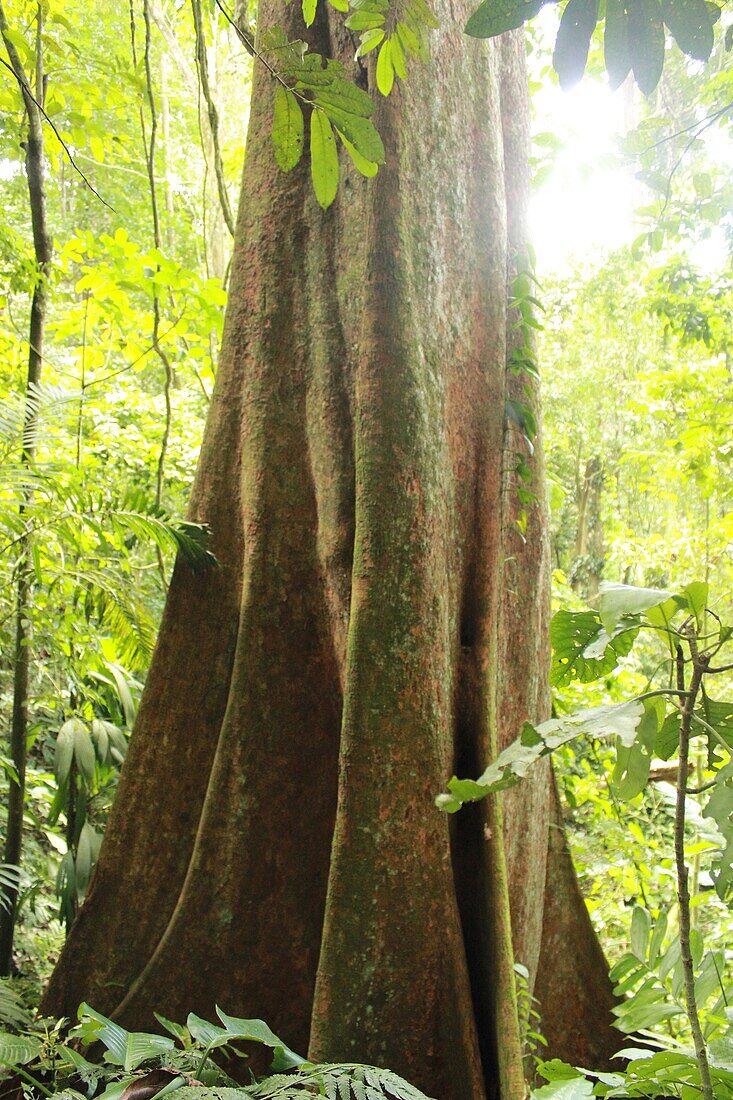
(275,832)
(34,164)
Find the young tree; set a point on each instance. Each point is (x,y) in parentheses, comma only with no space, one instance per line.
(376,621)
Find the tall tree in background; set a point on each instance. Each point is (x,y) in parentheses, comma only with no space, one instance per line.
(375,623)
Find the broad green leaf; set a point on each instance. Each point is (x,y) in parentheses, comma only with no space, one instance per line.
(345,97)
(398,57)
(616,43)
(309,11)
(408,38)
(128,1049)
(646,42)
(385,69)
(287,129)
(84,754)
(573,39)
(257,1031)
(366,167)
(324,159)
(360,132)
(631,772)
(661,618)
(84,857)
(618,600)
(657,938)
(369,41)
(641,926)
(494,17)
(206,1033)
(574,635)
(18,1050)
(668,737)
(65,749)
(696,595)
(691,24)
(511,765)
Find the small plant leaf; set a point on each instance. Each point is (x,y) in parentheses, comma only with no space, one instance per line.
(324,159)
(287,129)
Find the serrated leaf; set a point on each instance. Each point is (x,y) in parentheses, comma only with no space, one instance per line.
(494,17)
(573,39)
(691,24)
(324,159)
(288,129)
(385,69)
(646,42)
(616,43)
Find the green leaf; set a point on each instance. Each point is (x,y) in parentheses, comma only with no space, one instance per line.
(65,750)
(582,650)
(616,43)
(641,927)
(573,39)
(257,1031)
(646,42)
(385,69)
(18,1050)
(696,595)
(511,765)
(361,132)
(631,772)
(668,737)
(367,167)
(618,600)
(398,57)
(309,11)
(84,754)
(494,17)
(206,1033)
(287,129)
(128,1049)
(324,159)
(691,24)
(369,41)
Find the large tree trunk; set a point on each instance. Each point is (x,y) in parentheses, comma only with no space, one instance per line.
(374,624)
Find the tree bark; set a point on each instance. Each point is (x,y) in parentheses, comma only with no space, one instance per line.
(375,622)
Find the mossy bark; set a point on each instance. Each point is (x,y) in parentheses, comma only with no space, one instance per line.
(375,622)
